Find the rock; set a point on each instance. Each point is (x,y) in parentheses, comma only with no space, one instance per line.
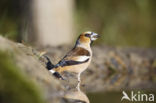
(14,87)
(110,69)
(114,68)
(33,82)
(30,69)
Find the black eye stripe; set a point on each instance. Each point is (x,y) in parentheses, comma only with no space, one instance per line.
(87,35)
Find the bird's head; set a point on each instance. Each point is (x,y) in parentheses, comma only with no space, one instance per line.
(86,38)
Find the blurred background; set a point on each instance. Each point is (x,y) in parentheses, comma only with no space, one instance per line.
(120,23)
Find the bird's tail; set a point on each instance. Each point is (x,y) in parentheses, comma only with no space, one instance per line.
(49,64)
(50,67)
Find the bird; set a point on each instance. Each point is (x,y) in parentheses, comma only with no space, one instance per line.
(77,59)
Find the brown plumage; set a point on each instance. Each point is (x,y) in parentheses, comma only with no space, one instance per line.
(79,51)
(78,59)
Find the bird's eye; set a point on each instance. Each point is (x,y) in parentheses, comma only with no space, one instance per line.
(87,35)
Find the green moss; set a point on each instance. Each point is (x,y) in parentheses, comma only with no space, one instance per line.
(14,87)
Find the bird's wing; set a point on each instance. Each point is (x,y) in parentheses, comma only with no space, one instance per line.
(75,56)
(78,51)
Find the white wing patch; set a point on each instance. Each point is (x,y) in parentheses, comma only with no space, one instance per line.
(82,58)
(52,71)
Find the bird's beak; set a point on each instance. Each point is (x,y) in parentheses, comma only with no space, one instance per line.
(94,36)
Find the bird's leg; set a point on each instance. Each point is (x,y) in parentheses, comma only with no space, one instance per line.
(79,78)
(79,81)
(78,86)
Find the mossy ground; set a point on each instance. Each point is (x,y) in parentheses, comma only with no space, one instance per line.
(15,87)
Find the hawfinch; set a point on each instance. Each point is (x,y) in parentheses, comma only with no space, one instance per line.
(76,60)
